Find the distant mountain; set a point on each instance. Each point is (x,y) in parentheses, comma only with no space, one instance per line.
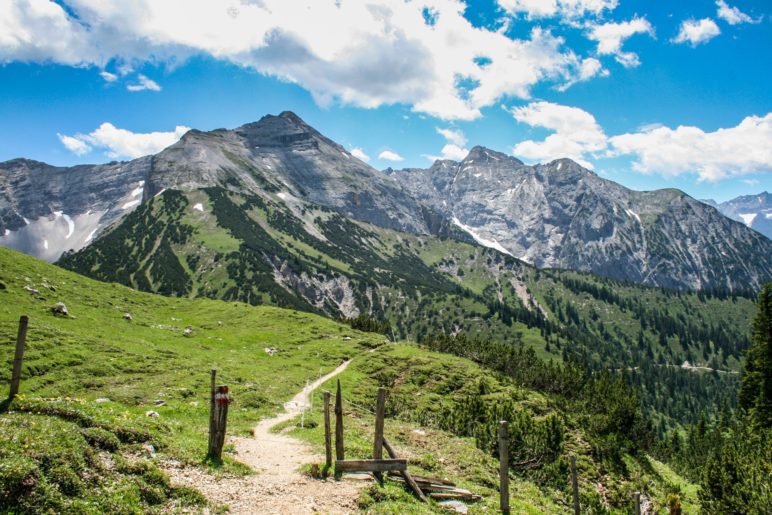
(755,211)
(560,215)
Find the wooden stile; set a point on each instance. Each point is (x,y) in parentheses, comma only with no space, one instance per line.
(382,465)
(380,409)
(21,340)
(405,474)
(327,431)
(504,467)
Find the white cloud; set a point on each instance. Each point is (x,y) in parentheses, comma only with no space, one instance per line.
(588,69)
(144,84)
(695,32)
(563,8)
(121,143)
(360,154)
(733,15)
(454,136)
(449,151)
(388,155)
(712,156)
(751,182)
(363,54)
(610,37)
(454,147)
(108,77)
(576,134)
(74,145)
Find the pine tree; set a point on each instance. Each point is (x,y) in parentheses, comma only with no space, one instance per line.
(756,383)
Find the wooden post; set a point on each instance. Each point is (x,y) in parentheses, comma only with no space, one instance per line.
(212,378)
(380,409)
(575,484)
(637,503)
(219,418)
(220,421)
(405,474)
(18,357)
(327,432)
(339,454)
(504,467)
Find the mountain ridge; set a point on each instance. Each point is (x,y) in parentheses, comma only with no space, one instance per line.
(557,214)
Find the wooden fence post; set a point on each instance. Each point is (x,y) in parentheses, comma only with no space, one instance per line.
(21,340)
(212,379)
(637,503)
(327,432)
(504,467)
(575,484)
(339,454)
(219,421)
(380,409)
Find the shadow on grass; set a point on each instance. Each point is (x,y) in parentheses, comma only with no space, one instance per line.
(5,405)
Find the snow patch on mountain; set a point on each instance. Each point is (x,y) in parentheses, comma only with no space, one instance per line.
(748,218)
(492,244)
(632,213)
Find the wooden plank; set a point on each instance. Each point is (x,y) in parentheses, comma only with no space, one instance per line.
(462,496)
(339,454)
(575,485)
(637,503)
(430,480)
(406,475)
(370,465)
(21,340)
(503,467)
(327,431)
(380,410)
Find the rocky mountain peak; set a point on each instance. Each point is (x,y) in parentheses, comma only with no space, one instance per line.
(482,154)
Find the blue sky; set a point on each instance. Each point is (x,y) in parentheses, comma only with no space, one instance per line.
(649,94)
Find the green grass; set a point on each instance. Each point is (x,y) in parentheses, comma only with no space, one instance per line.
(97,354)
(421,386)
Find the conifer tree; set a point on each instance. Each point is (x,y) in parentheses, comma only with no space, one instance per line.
(756,384)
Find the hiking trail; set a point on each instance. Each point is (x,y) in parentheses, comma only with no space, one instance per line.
(277,485)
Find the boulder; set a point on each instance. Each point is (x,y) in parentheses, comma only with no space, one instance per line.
(60,309)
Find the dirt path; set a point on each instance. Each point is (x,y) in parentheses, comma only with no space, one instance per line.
(278,486)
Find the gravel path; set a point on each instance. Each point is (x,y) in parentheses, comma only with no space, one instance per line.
(278,486)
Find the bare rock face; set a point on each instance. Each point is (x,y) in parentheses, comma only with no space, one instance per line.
(46,210)
(284,154)
(564,216)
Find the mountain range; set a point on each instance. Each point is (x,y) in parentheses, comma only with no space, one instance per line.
(755,211)
(556,215)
